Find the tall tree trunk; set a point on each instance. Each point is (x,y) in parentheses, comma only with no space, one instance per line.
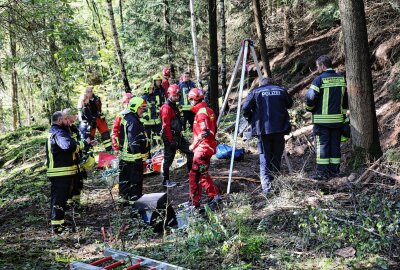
(213,28)
(14,86)
(121,15)
(194,39)
(118,50)
(223,45)
(95,13)
(1,115)
(168,38)
(287,30)
(261,37)
(359,79)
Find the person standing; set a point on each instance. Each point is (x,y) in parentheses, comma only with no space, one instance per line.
(166,72)
(151,117)
(266,109)
(132,145)
(185,86)
(100,123)
(117,122)
(61,150)
(172,134)
(327,100)
(204,147)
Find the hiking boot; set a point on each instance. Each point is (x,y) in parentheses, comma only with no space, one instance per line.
(168,184)
(319,177)
(213,203)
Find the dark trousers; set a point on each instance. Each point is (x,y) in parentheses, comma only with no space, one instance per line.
(77,186)
(61,188)
(153,135)
(327,142)
(188,116)
(270,148)
(169,154)
(131,179)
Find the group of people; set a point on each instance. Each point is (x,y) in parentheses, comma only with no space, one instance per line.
(161,115)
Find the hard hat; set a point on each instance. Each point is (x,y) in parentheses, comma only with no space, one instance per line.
(157,77)
(173,90)
(88,162)
(135,103)
(147,87)
(126,97)
(166,72)
(196,94)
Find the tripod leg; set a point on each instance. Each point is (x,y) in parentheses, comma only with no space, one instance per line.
(253,53)
(246,48)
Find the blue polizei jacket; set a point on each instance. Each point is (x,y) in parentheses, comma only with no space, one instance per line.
(266,109)
(327,99)
(185,87)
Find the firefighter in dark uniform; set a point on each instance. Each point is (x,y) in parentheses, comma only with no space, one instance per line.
(61,152)
(327,100)
(151,117)
(266,109)
(99,123)
(172,134)
(133,148)
(185,86)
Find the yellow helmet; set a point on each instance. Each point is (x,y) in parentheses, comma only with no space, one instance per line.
(88,163)
(135,103)
(147,87)
(157,77)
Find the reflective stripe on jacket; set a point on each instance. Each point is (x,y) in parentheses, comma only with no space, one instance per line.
(61,152)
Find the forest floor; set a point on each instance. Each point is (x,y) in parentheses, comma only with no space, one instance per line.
(302,224)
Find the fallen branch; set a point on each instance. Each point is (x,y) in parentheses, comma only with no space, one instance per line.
(369,170)
(253,180)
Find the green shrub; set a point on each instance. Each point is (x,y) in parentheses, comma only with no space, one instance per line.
(327,16)
(394,89)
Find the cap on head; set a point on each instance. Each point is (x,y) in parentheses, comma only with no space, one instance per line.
(173,90)
(166,72)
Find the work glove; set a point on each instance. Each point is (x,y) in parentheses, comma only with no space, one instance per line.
(206,133)
(103,117)
(86,145)
(146,117)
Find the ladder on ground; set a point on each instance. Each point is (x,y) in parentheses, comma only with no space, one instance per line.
(123,259)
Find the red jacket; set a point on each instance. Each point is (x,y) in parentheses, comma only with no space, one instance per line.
(170,118)
(165,85)
(204,129)
(115,132)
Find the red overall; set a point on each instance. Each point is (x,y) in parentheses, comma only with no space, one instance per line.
(203,146)
(115,132)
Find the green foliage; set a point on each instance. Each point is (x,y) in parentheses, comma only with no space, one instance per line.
(358,157)
(327,15)
(394,89)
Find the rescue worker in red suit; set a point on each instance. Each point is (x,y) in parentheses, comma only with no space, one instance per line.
(172,134)
(117,122)
(166,72)
(204,147)
(100,122)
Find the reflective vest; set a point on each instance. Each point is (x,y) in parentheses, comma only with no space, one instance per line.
(152,115)
(327,98)
(61,152)
(133,140)
(185,88)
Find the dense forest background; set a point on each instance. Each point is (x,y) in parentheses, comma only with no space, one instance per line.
(50,50)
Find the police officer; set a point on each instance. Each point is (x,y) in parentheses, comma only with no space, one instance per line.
(204,147)
(172,134)
(133,145)
(266,109)
(61,150)
(185,86)
(327,100)
(151,117)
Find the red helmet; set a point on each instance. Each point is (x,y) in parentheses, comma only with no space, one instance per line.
(196,94)
(126,98)
(173,90)
(166,72)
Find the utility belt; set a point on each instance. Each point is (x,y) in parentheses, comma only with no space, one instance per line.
(152,122)
(62,171)
(327,118)
(131,157)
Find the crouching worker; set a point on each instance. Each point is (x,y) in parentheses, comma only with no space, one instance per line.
(203,146)
(266,109)
(132,146)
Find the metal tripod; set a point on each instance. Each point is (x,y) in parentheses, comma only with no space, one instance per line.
(243,54)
